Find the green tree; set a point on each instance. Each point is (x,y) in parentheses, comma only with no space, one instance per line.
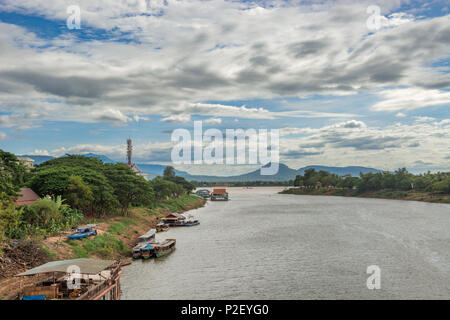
(169,172)
(78,194)
(12,173)
(129,188)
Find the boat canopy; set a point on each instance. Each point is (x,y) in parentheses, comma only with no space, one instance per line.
(86,266)
(151,233)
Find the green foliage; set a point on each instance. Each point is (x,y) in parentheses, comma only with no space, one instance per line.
(105,246)
(169,172)
(165,189)
(12,173)
(78,194)
(121,226)
(441,186)
(49,216)
(129,188)
(54,178)
(169,175)
(400,180)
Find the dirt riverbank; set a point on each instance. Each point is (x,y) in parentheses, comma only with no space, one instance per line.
(116,236)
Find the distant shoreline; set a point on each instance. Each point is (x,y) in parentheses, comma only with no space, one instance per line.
(382,194)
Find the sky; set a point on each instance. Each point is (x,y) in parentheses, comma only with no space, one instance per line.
(344,85)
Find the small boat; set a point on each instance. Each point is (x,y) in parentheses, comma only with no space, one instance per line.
(164,248)
(143,243)
(84,232)
(219,195)
(160,227)
(148,250)
(190,221)
(204,193)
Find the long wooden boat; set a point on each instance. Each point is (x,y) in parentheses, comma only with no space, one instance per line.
(148,251)
(160,227)
(191,223)
(143,243)
(164,248)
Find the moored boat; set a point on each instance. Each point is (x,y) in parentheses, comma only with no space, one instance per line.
(160,227)
(204,193)
(219,195)
(164,248)
(148,250)
(84,232)
(143,242)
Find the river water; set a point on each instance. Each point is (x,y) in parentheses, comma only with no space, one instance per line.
(263,245)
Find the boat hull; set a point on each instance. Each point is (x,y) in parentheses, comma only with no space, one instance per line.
(76,236)
(165,253)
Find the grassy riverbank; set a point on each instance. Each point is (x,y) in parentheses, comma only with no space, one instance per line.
(381,194)
(116,236)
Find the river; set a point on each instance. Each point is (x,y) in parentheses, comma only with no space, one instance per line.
(263,245)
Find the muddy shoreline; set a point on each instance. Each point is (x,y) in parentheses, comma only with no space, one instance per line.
(122,233)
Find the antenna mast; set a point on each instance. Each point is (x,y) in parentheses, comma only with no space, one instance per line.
(129,151)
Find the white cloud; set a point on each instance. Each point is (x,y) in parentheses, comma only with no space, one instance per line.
(3,136)
(410,98)
(177,118)
(220,51)
(213,121)
(39,152)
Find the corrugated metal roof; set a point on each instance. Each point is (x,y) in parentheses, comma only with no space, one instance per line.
(86,266)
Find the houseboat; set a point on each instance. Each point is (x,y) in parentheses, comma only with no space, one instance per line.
(174,219)
(76,279)
(148,250)
(164,248)
(219,195)
(143,242)
(160,227)
(84,232)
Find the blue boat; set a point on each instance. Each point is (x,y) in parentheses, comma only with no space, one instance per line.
(191,223)
(84,232)
(143,248)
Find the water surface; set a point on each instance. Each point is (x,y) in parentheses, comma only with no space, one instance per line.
(263,245)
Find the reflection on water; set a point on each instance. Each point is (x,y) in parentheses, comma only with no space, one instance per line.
(262,245)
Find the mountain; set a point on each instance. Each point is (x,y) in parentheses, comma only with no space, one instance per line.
(38,159)
(284,173)
(104,158)
(158,169)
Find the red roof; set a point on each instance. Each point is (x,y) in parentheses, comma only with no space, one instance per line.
(26,196)
(219,191)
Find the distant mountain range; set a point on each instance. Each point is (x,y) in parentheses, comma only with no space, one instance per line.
(284,173)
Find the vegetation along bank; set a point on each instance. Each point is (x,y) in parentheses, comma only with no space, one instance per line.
(400,185)
(75,190)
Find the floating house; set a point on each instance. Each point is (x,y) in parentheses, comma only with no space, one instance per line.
(219,195)
(76,279)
